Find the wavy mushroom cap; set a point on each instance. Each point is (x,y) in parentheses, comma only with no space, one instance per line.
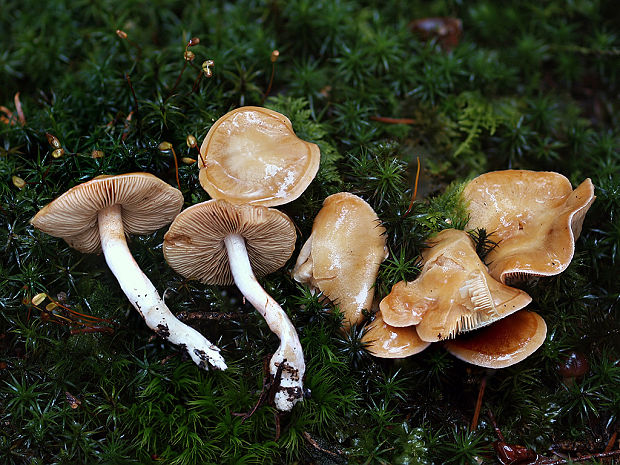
(251,155)
(536,218)
(503,343)
(194,245)
(342,256)
(453,294)
(147,204)
(385,341)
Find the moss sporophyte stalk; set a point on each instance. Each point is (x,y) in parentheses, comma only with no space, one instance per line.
(468,88)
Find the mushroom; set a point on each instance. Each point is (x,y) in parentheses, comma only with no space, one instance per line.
(385,341)
(341,257)
(536,216)
(95,216)
(504,343)
(251,155)
(217,242)
(453,294)
(573,366)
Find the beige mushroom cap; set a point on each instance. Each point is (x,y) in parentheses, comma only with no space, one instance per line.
(252,156)
(536,218)
(385,341)
(342,256)
(194,245)
(454,292)
(503,343)
(147,204)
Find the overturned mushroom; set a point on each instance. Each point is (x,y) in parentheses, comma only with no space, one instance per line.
(453,294)
(504,343)
(535,218)
(251,155)
(95,216)
(341,257)
(385,341)
(217,242)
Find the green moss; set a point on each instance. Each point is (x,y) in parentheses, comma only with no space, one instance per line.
(529,85)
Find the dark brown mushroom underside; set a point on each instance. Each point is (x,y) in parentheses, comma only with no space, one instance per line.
(504,343)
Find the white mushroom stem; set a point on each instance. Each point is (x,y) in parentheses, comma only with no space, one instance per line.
(291,381)
(145,298)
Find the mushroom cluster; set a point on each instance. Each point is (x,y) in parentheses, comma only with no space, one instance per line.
(251,159)
(536,218)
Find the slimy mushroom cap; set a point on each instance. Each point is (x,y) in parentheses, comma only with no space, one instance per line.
(536,218)
(147,204)
(194,245)
(504,343)
(251,155)
(342,256)
(385,341)
(454,292)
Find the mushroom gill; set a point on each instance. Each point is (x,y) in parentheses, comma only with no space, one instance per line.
(342,256)
(535,216)
(453,294)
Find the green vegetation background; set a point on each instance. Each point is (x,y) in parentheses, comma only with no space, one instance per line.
(530,85)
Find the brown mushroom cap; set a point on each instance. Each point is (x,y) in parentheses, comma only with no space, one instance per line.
(253,156)
(342,256)
(504,343)
(194,245)
(535,216)
(147,204)
(385,341)
(454,292)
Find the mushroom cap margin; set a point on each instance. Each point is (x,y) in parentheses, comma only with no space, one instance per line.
(147,204)
(385,341)
(253,156)
(535,215)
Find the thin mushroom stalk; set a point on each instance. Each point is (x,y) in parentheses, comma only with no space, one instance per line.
(290,352)
(145,298)
(219,243)
(94,216)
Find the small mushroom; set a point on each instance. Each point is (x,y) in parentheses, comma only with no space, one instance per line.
(385,341)
(535,216)
(453,294)
(217,242)
(504,343)
(572,367)
(95,216)
(341,257)
(251,155)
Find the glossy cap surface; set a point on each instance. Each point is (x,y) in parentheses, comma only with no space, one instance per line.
(251,155)
(385,341)
(535,217)
(503,343)
(342,256)
(453,294)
